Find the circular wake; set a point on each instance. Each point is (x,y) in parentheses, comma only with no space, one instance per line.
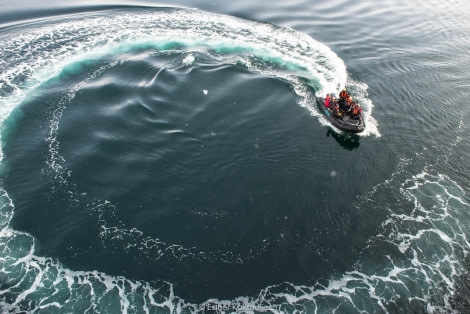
(42,54)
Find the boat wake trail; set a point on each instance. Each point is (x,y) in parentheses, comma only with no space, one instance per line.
(35,55)
(44,52)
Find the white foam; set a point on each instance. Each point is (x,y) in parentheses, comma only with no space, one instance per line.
(414,274)
(301,61)
(189,60)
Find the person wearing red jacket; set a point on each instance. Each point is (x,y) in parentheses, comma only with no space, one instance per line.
(327,101)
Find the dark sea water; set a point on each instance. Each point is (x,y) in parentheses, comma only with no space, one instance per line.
(170,157)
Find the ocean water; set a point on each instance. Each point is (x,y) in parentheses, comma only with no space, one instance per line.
(170,157)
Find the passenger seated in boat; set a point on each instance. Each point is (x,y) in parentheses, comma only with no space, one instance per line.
(337,111)
(348,106)
(327,101)
(334,102)
(356,110)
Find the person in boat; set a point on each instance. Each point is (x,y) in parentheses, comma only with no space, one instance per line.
(343,94)
(345,105)
(334,102)
(349,102)
(337,112)
(343,98)
(356,110)
(327,101)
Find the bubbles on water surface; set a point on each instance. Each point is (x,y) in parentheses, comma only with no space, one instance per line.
(434,200)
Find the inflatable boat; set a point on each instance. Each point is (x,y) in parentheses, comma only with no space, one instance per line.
(345,121)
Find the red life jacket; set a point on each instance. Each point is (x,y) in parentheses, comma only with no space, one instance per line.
(355,110)
(327,102)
